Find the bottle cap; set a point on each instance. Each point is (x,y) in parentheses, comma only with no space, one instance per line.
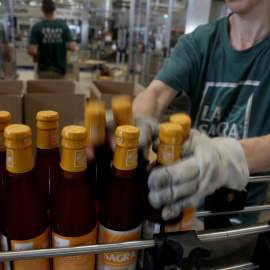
(74,149)
(5,118)
(126,151)
(17,136)
(170,133)
(19,154)
(47,120)
(127,132)
(74,137)
(184,120)
(122,110)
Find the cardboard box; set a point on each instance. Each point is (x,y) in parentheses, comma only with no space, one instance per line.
(105,90)
(11,99)
(64,96)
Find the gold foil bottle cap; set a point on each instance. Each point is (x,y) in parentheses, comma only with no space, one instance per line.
(127,136)
(184,120)
(122,110)
(127,132)
(74,137)
(47,120)
(17,136)
(47,116)
(5,118)
(170,133)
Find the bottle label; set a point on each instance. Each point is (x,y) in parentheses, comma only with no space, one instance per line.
(168,153)
(41,241)
(74,262)
(2,142)
(19,160)
(188,219)
(124,260)
(74,160)
(125,159)
(47,139)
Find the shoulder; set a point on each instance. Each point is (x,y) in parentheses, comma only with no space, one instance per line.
(205,36)
(38,25)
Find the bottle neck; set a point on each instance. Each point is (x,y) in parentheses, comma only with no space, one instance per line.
(19,160)
(97,134)
(168,153)
(73,160)
(47,138)
(125,158)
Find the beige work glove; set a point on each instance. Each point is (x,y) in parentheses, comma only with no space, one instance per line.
(207,164)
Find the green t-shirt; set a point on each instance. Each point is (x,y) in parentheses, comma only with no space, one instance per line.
(229,90)
(51,38)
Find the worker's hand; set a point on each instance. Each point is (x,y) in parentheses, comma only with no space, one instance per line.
(207,164)
(149,130)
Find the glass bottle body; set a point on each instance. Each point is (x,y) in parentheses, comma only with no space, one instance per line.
(99,171)
(120,208)
(24,214)
(73,213)
(47,171)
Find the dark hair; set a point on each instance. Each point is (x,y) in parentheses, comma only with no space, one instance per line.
(48,6)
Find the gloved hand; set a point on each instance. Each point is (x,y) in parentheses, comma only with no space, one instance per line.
(149,130)
(207,164)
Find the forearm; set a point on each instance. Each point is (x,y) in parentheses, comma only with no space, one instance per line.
(257,153)
(154,100)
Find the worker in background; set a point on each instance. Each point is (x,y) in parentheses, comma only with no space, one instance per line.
(49,41)
(223,67)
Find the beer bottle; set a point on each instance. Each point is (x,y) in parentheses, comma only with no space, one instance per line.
(184,121)
(25,217)
(47,161)
(5,118)
(99,170)
(123,115)
(73,215)
(119,214)
(170,137)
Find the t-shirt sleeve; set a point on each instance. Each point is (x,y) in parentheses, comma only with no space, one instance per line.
(33,36)
(68,36)
(182,69)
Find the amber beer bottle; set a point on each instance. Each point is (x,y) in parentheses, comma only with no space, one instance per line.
(123,115)
(47,161)
(25,217)
(99,170)
(119,214)
(184,121)
(73,216)
(5,118)
(170,137)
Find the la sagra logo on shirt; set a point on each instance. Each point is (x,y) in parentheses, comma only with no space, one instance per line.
(225,109)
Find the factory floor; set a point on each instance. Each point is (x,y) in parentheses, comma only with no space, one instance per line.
(84,81)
